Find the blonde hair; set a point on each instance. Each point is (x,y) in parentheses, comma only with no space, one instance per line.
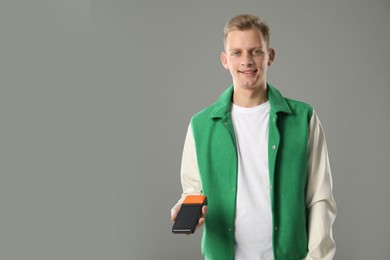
(244,22)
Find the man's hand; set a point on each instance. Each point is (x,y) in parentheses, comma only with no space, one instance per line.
(176,209)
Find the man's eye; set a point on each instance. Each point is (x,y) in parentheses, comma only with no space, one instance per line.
(235,53)
(257,52)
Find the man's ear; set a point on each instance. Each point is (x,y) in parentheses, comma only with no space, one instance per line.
(271,56)
(224,60)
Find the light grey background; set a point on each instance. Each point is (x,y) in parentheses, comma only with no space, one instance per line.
(96,96)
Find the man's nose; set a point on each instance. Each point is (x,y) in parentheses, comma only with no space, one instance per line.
(246,60)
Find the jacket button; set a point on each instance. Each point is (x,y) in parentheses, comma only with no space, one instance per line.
(230,229)
(276,228)
(273,147)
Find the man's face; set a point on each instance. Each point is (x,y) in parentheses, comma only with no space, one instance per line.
(247,57)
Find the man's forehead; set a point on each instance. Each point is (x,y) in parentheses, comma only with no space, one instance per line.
(247,33)
(251,47)
(241,38)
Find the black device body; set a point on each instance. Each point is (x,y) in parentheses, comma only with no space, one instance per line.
(187,219)
(188,216)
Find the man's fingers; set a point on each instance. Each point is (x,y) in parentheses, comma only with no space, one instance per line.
(204,210)
(202,218)
(174,212)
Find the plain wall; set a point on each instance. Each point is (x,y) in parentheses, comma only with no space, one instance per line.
(96,97)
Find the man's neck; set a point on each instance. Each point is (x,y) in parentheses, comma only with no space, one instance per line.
(249,97)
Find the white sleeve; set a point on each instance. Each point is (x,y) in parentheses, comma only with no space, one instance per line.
(319,199)
(190,179)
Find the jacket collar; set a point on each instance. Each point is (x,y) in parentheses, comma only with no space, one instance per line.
(277,101)
(223,105)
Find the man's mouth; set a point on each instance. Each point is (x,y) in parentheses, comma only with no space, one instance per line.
(247,72)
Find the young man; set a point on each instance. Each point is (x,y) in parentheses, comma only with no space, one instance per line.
(261,159)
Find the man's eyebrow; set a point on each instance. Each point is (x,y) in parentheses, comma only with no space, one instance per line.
(234,49)
(250,49)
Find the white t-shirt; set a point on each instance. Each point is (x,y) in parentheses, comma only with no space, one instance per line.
(253,222)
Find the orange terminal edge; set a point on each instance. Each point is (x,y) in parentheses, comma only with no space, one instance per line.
(195,199)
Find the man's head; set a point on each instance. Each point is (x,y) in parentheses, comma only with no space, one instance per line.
(244,22)
(247,55)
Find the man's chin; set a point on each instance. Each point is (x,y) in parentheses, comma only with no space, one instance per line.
(249,86)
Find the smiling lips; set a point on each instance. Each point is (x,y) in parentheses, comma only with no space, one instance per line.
(248,72)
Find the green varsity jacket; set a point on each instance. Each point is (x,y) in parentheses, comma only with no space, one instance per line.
(216,153)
